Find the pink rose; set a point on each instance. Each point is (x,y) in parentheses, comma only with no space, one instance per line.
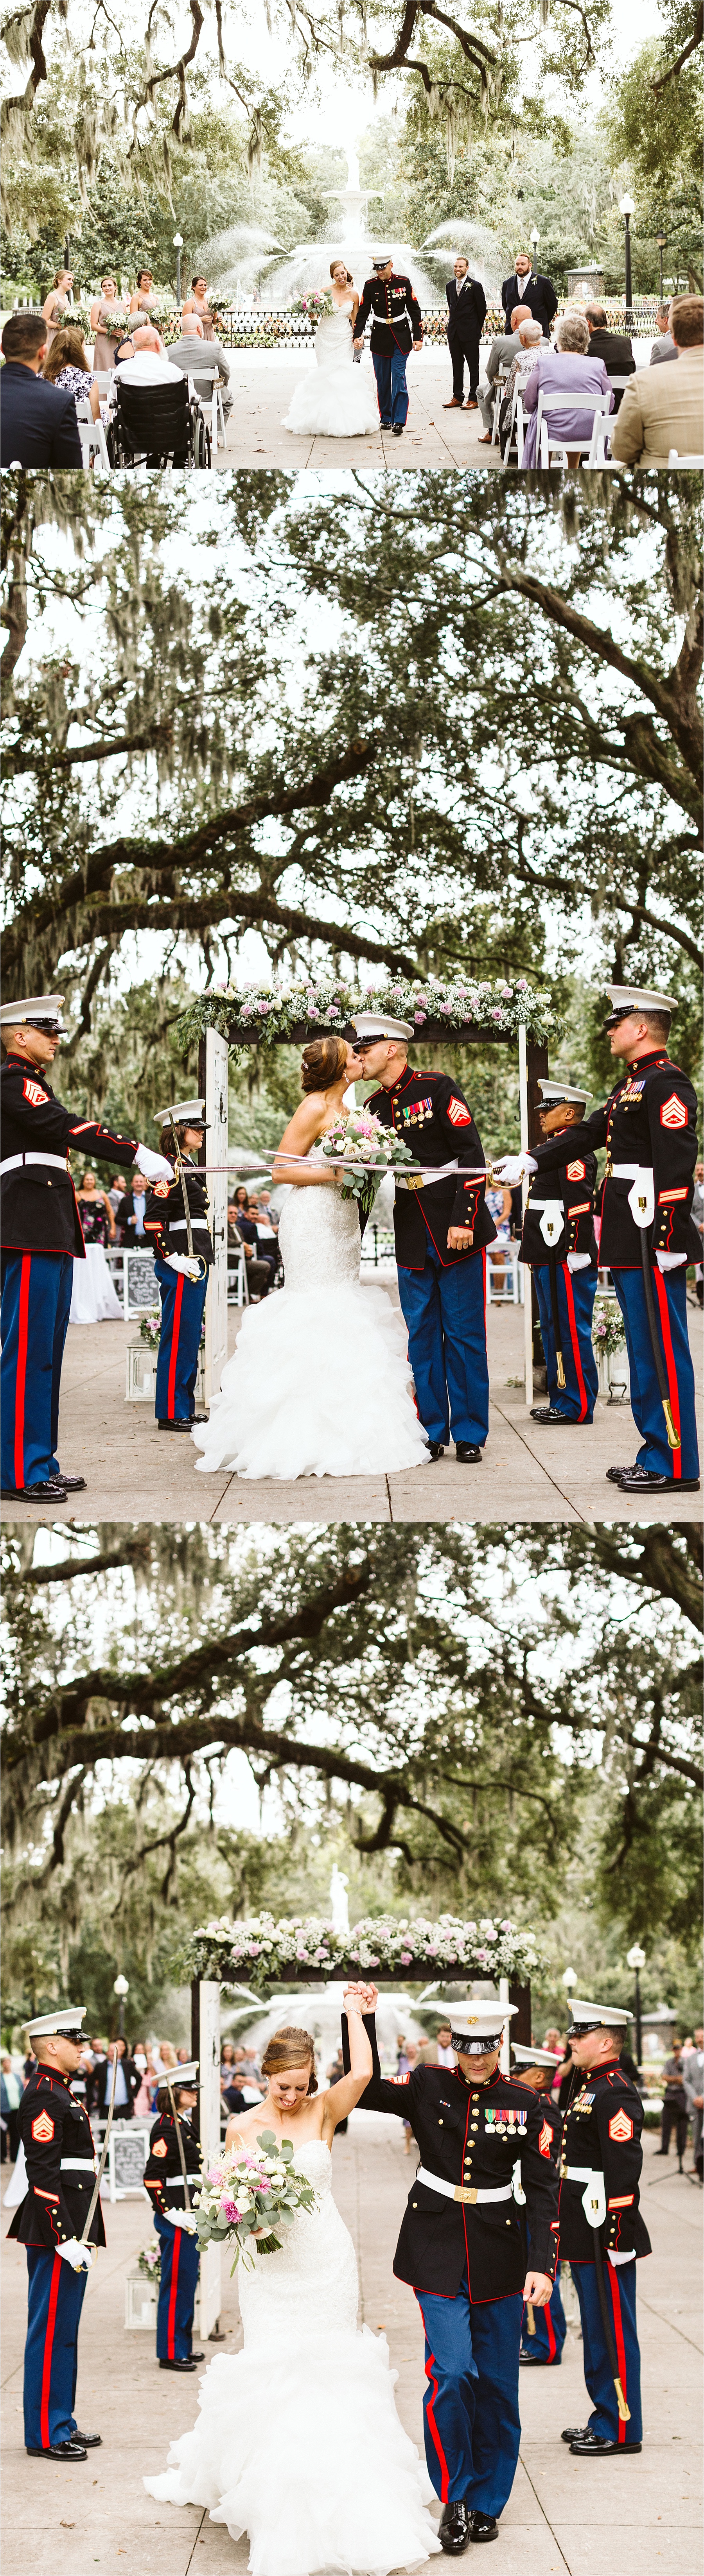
(230,2211)
(406,1957)
(263,1008)
(497,1015)
(420,1017)
(446,1007)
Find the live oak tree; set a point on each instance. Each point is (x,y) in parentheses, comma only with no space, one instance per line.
(175,782)
(481,1712)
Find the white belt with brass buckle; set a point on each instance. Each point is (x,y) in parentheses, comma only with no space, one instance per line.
(14,1162)
(458,2191)
(84,2165)
(624,1171)
(577,2173)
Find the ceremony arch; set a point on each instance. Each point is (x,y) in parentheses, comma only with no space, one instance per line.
(458,1013)
(307,1951)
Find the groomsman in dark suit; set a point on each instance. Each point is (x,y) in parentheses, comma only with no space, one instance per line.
(537,292)
(466,310)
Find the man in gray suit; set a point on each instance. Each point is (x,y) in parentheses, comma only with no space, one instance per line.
(665,346)
(501,354)
(203,360)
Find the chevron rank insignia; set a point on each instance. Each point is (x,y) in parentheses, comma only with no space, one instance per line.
(576,1171)
(544,2139)
(43,2129)
(458,1113)
(673,1112)
(620,2128)
(161,2148)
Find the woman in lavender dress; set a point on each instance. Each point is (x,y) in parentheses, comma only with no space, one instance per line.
(565,369)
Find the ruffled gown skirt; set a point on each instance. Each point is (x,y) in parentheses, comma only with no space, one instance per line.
(319,1384)
(93,1296)
(335,399)
(298,2441)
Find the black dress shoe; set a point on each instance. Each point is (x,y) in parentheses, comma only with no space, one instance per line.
(175,1426)
(437,1448)
(68,2451)
(646,1480)
(73,1484)
(466,1454)
(551,1413)
(198,2356)
(51,1490)
(454,2529)
(596,2446)
(614,1474)
(483,2526)
(574,2433)
(178,2365)
(397,428)
(92,2441)
(535,2360)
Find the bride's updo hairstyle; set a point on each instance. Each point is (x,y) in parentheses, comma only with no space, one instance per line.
(289,2047)
(322,1063)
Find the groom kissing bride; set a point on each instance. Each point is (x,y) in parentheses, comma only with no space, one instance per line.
(320,1380)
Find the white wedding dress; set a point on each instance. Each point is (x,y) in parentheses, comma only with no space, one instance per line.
(93,1296)
(319,1383)
(298,2441)
(336,399)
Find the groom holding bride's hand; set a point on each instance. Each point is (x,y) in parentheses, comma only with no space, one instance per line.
(485,2157)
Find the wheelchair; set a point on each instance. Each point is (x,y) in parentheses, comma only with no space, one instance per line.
(157,425)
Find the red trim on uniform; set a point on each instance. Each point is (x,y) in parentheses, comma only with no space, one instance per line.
(170,2331)
(620,2345)
(21,1376)
(672,1386)
(430,2366)
(48,2349)
(551,2335)
(171,1397)
(574,1338)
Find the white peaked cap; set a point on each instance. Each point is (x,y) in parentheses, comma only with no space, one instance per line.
(57,2025)
(480,2020)
(183,1110)
(613,2016)
(175,2075)
(555,1092)
(536,2056)
(41,1006)
(376,1024)
(634,997)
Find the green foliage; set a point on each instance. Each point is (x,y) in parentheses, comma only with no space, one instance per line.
(658,137)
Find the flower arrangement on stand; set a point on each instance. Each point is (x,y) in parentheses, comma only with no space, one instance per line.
(149,2261)
(150,1328)
(248,2200)
(302,1946)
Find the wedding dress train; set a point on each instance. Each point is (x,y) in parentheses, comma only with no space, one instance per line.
(298,2441)
(336,399)
(319,1383)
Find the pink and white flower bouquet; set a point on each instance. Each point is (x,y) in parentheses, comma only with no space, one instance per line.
(249,2196)
(370,1150)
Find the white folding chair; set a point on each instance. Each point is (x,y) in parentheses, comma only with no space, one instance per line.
(92,437)
(674,459)
(217,423)
(545,446)
(103,378)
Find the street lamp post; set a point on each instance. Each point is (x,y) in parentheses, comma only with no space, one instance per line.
(627,209)
(661,239)
(121,1988)
(178,247)
(636,1960)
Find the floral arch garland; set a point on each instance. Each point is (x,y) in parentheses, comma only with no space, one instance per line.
(410,1948)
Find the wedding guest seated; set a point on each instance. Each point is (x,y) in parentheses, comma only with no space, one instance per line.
(661,410)
(664,347)
(202,357)
(142,359)
(613,346)
(500,358)
(66,365)
(38,424)
(241,1230)
(568,369)
(530,341)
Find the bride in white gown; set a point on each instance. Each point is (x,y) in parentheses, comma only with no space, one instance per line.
(298,2441)
(319,1383)
(337,399)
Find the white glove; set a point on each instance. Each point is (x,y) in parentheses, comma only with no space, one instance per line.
(578,1260)
(186,1262)
(154,1166)
(181,2218)
(511,1169)
(670,1260)
(79,2256)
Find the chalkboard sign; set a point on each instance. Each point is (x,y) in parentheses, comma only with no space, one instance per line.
(142,1290)
(127,2156)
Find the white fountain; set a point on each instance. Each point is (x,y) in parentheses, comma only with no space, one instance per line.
(490,259)
(319,2010)
(308,266)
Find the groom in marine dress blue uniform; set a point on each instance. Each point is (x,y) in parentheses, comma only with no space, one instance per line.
(441,1230)
(397,327)
(485,2157)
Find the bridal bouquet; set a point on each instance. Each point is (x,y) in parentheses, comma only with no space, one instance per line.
(360,1140)
(251,2195)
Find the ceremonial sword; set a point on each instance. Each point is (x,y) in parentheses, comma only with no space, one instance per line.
(178,1158)
(83,2240)
(179,2140)
(624,2410)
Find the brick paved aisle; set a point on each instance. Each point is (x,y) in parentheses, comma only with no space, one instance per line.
(627,2518)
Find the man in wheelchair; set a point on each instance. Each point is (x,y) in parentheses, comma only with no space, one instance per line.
(156,419)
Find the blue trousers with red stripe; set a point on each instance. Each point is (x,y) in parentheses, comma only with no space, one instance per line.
(470,2409)
(177,2290)
(446,1316)
(392,390)
(576,1291)
(182,1304)
(550,2329)
(621,2294)
(670,1294)
(36,1301)
(55,2300)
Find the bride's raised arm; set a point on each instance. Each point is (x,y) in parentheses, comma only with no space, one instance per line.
(341,2098)
(302,1131)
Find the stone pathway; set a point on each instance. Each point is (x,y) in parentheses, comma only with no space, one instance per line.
(134,1472)
(262,383)
(636,2517)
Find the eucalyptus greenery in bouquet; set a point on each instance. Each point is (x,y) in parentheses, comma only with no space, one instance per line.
(150,1328)
(360,1141)
(313,307)
(248,2198)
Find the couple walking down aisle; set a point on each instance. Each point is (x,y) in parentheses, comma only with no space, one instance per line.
(298,2441)
(336,401)
(320,1382)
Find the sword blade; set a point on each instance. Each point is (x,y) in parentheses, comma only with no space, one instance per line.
(672,1434)
(101,2168)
